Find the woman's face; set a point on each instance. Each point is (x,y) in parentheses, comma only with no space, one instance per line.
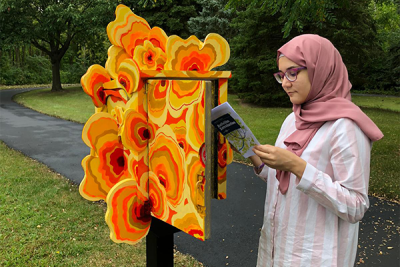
(299,89)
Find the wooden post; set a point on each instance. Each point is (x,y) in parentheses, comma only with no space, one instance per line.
(160,244)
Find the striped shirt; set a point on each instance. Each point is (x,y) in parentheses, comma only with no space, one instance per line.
(316,223)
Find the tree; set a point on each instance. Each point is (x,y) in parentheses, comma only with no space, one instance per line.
(296,13)
(170,15)
(254,58)
(386,15)
(354,35)
(259,36)
(214,18)
(51,26)
(387,18)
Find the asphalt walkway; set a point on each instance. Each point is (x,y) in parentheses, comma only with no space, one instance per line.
(235,222)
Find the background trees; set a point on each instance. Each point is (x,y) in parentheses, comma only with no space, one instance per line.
(253,57)
(295,13)
(213,17)
(72,35)
(170,15)
(354,27)
(51,26)
(386,70)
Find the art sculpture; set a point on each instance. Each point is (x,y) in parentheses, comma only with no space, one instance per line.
(146,137)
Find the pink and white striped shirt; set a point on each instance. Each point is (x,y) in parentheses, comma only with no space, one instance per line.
(316,222)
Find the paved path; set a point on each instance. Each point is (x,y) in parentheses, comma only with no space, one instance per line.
(56,143)
(235,221)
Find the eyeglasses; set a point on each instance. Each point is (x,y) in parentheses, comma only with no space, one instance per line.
(290,74)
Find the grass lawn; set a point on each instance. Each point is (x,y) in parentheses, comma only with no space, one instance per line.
(8,87)
(45,222)
(70,104)
(380,102)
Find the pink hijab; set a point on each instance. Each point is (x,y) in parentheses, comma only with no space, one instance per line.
(329,98)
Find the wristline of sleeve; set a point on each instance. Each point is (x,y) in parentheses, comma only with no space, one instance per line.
(308,179)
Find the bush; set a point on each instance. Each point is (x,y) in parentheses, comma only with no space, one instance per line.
(72,73)
(13,76)
(36,70)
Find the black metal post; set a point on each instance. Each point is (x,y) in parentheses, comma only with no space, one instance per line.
(160,244)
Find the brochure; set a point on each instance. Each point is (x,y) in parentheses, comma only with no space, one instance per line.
(230,124)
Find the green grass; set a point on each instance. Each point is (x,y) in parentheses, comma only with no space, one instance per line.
(45,222)
(385,155)
(73,104)
(70,104)
(8,87)
(380,102)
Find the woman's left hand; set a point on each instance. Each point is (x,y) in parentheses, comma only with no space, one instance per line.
(280,159)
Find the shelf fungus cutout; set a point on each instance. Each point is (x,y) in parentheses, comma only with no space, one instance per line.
(147,136)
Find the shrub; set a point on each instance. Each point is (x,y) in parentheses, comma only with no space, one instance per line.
(36,69)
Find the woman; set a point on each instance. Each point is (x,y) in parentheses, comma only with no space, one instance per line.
(318,171)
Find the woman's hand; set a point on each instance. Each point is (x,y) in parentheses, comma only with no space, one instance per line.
(280,159)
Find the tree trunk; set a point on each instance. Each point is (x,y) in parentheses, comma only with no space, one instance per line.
(17,56)
(23,55)
(55,69)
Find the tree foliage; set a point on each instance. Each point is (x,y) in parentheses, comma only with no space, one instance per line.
(353,32)
(354,35)
(253,58)
(296,13)
(36,69)
(73,35)
(51,26)
(387,18)
(170,15)
(213,18)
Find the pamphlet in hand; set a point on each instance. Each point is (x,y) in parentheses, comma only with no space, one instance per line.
(230,124)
